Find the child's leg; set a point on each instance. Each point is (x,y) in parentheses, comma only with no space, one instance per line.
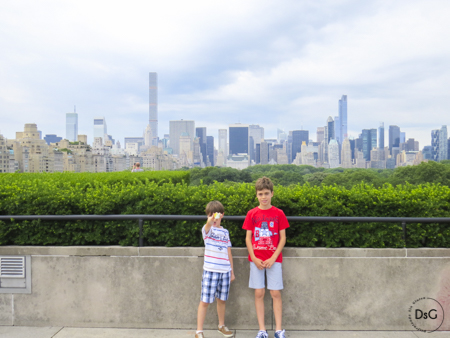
(259,305)
(201,315)
(277,308)
(221,311)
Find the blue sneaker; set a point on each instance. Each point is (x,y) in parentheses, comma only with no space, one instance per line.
(262,334)
(280,334)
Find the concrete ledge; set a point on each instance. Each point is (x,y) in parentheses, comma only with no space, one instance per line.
(157,287)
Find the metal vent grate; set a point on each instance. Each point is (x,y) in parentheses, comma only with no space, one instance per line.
(12,267)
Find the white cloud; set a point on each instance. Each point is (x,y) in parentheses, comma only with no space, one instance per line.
(279,64)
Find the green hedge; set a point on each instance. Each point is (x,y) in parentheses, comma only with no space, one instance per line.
(142,193)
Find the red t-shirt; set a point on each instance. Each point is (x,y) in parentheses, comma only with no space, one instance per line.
(265,226)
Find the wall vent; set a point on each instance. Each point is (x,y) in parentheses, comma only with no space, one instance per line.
(15,274)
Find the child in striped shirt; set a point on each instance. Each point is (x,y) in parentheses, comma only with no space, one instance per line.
(217,268)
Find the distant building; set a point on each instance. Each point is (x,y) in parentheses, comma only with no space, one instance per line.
(320,134)
(178,127)
(343,118)
(238,161)
(439,143)
(4,156)
(381,136)
(255,135)
(200,132)
(333,153)
(223,147)
(210,150)
(52,138)
(369,139)
(298,137)
(394,137)
(153,105)
(239,139)
(100,129)
(346,154)
(71,126)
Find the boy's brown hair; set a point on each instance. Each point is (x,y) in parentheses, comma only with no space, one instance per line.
(214,206)
(263,183)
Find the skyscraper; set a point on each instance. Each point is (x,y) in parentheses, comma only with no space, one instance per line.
(100,129)
(343,118)
(238,139)
(439,144)
(200,132)
(298,137)
(210,150)
(176,129)
(381,135)
(394,137)
(223,144)
(71,126)
(255,135)
(153,106)
(369,139)
(337,129)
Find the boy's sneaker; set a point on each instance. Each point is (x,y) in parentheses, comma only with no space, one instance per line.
(280,334)
(199,335)
(224,330)
(262,334)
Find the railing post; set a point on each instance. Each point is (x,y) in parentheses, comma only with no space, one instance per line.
(141,230)
(404,231)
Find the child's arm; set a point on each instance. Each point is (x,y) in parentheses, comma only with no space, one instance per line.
(209,223)
(281,243)
(248,241)
(230,257)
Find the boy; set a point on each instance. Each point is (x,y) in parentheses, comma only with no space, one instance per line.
(217,268)
(266,237)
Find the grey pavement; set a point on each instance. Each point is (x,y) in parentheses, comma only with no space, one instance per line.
(71,332)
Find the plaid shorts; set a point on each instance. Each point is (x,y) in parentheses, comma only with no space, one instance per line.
(215,285)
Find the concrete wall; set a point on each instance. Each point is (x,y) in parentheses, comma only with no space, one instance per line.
(325,289)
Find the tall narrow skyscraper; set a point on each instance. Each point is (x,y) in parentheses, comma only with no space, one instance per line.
(71,126)
(381,136)
(343,117)
(153,106)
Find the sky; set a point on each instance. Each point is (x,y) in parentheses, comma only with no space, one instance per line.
(281,64)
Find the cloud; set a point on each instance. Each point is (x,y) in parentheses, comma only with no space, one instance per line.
(281,65)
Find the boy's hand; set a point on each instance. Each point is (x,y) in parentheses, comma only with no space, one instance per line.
(268,263)
(232,277)
(259,263)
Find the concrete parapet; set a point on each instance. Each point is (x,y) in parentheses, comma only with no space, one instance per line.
(158,287)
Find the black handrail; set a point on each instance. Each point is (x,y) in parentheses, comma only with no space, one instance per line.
(141,218)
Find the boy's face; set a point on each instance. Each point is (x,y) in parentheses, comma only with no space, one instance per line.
(264,198)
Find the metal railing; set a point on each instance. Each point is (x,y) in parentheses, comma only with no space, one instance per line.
(141,218)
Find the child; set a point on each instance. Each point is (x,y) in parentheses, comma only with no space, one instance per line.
(217,268)
(266,237)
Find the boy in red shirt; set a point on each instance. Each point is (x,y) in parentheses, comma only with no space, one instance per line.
(265,239)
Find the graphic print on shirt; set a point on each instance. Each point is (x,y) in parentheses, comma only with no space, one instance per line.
(263,237)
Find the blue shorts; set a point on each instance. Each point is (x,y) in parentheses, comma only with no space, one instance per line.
(274,277)
(215,285)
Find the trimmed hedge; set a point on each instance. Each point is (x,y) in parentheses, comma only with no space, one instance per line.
(139,193)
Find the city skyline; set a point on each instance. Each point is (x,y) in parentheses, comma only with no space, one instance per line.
(279,65)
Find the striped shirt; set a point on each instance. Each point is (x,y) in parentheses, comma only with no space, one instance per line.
(217,241)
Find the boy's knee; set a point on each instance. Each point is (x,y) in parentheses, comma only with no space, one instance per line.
(203,304)
(220,301)
(275,294)
(259,293)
